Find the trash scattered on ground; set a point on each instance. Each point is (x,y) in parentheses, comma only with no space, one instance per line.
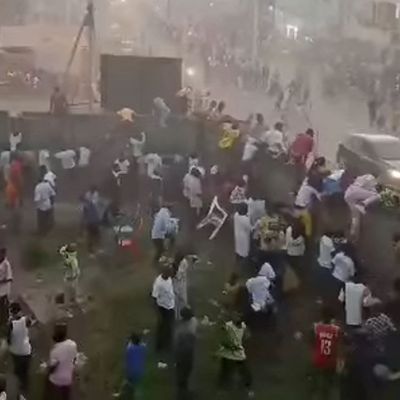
(205,321)
(81,360)
(298,335)
(318,301)
(162,365)
(214,303)
(43,367)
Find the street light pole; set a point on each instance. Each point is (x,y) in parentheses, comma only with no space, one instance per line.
(256,30)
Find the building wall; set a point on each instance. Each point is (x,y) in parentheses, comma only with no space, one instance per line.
(52,44)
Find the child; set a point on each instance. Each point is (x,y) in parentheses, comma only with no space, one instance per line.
(135,360)
(72,272)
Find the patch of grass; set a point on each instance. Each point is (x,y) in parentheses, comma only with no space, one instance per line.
(279,363)
(122,304)
(36,255)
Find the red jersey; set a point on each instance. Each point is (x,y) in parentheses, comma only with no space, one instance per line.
(16,173)
(326,345)
(303,145)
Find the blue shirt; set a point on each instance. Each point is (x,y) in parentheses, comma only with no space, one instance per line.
(90,213)
(161,224)
(135,358)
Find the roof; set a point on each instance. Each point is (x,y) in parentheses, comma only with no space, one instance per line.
(375,137)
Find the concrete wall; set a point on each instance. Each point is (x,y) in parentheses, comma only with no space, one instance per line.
(41,130)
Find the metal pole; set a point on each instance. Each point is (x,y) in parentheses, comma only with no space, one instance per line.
(90,39)
(74,48)
(256,20)
(274,14)
(169,10)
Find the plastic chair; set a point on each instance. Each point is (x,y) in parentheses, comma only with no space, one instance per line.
(216,216)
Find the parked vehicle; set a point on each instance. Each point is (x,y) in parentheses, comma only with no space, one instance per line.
(376,154)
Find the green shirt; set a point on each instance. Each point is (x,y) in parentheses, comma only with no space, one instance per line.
(71,264)
(232,343)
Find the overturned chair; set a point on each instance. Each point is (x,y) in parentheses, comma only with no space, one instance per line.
(216,216)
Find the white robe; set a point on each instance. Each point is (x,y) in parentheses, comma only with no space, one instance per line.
(180,287)
(192,190)
(242,231)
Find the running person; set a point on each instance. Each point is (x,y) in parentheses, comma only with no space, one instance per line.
(325,355)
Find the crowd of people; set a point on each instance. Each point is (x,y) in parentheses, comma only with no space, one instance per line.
(277,248)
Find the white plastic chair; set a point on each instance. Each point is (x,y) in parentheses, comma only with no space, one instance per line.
(216,216)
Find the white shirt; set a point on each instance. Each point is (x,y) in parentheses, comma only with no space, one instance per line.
(353,297)
(256,210)
(154,163)
(4,158)
(15,140)
(343,267)
(258,287)
(84,156)
(123,166)
(138,145)
(44,158)
(249,150)
(67,158)
(192,190)
(5,275)
(294,247)
(161,224)
(275,141)
(193,162)
(63,356)
(163,293)
(326,247)
(305,195)
(242,231)
(51,178)
(20,344)
(43,195)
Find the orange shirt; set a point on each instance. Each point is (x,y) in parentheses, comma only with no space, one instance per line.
(16,174)
(13,198)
